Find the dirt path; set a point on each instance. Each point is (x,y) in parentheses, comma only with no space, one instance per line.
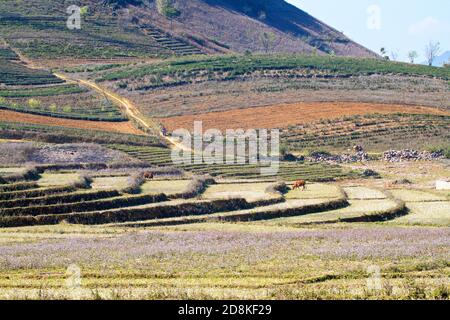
(127,106)
(130,109)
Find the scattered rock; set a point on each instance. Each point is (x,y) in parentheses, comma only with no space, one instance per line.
(360,156)
(370,173)
(401,181)
(411,155)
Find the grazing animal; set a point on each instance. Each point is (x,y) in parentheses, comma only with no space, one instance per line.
(148,175)
(299,184)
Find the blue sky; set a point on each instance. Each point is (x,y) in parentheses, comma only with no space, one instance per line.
(404,25)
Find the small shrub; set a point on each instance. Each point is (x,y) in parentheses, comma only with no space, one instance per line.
(84,182)
(53,107)
(441,293)
(197,186)
(279,187)
(135,181)
(370,173)
(34,103)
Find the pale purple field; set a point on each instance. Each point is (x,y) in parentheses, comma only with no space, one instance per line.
(134,249)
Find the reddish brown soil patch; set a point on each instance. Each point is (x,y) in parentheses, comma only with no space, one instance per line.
(281,116)
(120,127)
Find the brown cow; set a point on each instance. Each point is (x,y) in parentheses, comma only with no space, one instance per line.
(299,184)
(148,175)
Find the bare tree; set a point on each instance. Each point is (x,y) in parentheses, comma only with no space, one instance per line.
(394,55)
(413,55)
(432,50)
(267,41)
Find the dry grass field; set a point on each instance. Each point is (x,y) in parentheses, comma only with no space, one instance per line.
(281,116)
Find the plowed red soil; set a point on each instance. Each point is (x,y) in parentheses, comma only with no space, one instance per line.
(281,116)
(120,127)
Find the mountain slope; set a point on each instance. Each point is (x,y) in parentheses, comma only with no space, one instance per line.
(136,28)
(257,26)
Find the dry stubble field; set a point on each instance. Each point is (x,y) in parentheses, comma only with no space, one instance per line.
(282,116)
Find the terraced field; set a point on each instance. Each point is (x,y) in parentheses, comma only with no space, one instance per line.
(250,192)
(364,204)
(321,203)
(15,74)
(318,102)
(100,37)
(55,212)
(88,184)
(30,119)
(299,114)
(52,130)
(174,45)
(230,67)
(168,187)
(39,92)
(250,200)
(375,132)
(288,171)
(425,207)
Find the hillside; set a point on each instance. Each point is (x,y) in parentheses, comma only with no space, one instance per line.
(121,29)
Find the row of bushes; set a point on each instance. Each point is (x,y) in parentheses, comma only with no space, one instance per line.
(382,215)
(42,91)
(286,212)
(233,66)
(196,187)
(259,214)
(398,210)
(189,209)
(132,214)
(35,193)
(18,186)
(95,167)
(66,115)
(29,173)
(59,199)
(86,206)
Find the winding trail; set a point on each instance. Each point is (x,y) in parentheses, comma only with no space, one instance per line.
(126,105)
(130,109)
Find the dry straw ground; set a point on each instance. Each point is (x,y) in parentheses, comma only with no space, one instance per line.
(280,116)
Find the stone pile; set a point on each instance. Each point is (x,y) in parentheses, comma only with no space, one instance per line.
(411,155)
(360,156)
